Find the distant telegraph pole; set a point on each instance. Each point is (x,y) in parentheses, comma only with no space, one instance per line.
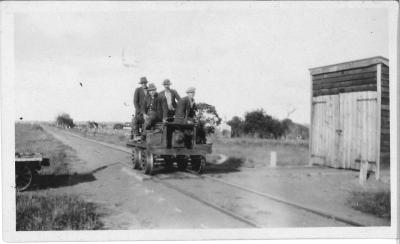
(290,109)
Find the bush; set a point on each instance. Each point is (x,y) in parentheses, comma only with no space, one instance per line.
(208,117)
(258,124)
(118,126)
(65,121)
(376,203)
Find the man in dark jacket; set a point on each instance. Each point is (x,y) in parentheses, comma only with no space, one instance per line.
(154,108)
(185,113)
(138,101)
(171,97)
(186,108)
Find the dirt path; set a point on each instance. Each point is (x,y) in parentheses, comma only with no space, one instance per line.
(135,204)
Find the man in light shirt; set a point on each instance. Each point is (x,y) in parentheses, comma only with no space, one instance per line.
(171,96)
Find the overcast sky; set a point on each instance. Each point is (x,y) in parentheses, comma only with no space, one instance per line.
(239,60)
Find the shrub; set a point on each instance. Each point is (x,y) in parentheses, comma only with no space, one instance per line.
(208,117)
(64,120)
(258,124)
(376,203)
(118,126)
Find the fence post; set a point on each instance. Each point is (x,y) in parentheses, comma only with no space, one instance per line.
(362,178)
(272,162)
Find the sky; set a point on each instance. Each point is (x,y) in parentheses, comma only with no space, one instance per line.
(238,59)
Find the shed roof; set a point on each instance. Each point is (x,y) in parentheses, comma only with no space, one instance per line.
(349,65)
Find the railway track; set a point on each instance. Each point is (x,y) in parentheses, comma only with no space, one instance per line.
(222,209)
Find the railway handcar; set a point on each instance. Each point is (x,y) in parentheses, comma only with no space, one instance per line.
(168,144)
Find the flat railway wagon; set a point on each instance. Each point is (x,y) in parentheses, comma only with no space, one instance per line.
(26,167)
(168,144)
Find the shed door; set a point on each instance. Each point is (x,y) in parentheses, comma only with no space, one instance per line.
(325,137)
(359,125)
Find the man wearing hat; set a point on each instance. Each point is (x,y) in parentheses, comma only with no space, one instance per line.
(185,113)
(138,101)
(186,109)
(154,108)
(171,96)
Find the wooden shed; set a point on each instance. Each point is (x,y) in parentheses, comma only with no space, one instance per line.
(350,114)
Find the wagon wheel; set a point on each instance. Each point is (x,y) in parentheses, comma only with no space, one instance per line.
(142,157)
(136,159)
(24,176)
(148,163)
(198,164)
(182,162)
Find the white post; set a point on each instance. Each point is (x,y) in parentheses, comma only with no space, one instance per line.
(362,178)
(272,162)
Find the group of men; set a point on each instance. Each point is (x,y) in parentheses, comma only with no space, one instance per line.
(152,107)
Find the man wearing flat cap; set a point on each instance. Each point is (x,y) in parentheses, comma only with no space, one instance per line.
(138,101)
(171,96)
(186,108)
(154,108)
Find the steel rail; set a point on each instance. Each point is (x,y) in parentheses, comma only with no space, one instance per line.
(278,199)
(207,203)
(265,195)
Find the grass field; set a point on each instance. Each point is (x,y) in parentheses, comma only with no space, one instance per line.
(43,208)
(49,211)
(31,138)
(257,152)
(118,137)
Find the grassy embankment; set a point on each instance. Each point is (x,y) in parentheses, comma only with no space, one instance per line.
(46,209)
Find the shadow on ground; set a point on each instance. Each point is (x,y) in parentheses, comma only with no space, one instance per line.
(232,164)
(55,181)
(42,181)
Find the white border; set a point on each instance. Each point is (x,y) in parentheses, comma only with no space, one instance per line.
(7,127)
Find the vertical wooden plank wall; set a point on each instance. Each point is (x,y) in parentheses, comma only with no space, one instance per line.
(385,117)
(378,132)
(318,137)
(350,114)
(311,145)
(358,122)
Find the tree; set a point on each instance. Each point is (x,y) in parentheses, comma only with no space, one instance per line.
(257,123)
(207,117)
(236,124)
(276,128)
(65,121)
(118,126)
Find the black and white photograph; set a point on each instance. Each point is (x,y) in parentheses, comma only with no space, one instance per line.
(199,120)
